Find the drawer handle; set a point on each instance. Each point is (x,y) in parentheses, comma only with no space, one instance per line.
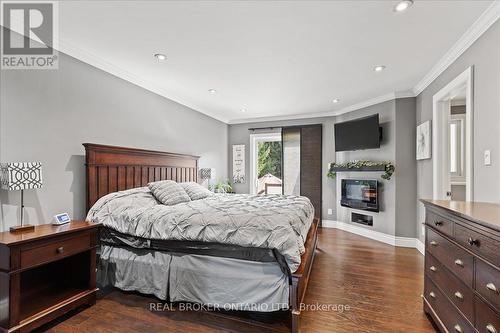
(459,262)
(473,241)
(60,250)
(491,287)
(438,223)
(431,294)
(434,243)
(458,328)
(491,329)
(459,295)
(433,268)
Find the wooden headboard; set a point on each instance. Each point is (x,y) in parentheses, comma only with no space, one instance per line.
(110,169)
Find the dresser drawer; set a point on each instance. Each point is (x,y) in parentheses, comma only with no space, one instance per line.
(440,223)
(451,318)
(488,283)
(451,256)
(487,321)
(54,250)
(456,291)
(478,243)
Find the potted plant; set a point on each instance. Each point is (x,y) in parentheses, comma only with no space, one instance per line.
(221,187)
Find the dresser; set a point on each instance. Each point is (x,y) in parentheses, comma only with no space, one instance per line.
(45,273)
(462,266)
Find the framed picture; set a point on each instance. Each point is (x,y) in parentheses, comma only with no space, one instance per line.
(239,164)
(424,141)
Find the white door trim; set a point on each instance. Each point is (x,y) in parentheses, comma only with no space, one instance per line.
(254,140)
(440,129)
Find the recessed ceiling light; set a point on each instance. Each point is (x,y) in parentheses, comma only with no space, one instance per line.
(212,91)
(379,68)
(336,100)
(403,5)
(243,110)
(160,56)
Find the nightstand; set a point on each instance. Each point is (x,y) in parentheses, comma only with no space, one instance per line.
(45,273)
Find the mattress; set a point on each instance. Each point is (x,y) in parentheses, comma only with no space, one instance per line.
(277,222)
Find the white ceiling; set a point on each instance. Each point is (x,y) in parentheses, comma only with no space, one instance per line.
(274,59)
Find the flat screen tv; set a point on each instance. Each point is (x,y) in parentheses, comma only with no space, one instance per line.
(361,133)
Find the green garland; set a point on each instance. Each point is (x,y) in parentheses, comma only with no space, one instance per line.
(388,167)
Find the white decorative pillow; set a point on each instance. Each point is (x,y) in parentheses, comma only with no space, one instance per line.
(168,192)
(196,191)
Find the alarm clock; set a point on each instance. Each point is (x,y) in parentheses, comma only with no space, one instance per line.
(61,219)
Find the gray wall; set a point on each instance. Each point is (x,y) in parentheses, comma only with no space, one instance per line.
(406,180)
(484,55)
(395,219)
(385,220)
(45,115)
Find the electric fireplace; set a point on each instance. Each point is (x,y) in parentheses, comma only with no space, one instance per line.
(360,194)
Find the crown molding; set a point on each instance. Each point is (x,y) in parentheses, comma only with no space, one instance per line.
(476,30)
(350,108)
(98,62)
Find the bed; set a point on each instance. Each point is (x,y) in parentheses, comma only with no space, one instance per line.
(238,269)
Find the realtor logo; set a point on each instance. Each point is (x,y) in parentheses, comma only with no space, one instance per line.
(29,35)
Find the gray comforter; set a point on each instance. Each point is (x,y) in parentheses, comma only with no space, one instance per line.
(278,222)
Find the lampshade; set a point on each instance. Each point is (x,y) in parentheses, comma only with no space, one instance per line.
(21,175)
(207,173)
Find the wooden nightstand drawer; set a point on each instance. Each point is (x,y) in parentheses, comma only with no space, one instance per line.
(50,271)
(55,250)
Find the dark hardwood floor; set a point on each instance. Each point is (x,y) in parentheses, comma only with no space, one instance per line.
(381,284)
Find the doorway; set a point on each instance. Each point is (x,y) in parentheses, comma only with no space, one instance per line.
(453,140)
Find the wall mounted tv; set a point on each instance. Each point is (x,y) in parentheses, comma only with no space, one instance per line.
(357,134)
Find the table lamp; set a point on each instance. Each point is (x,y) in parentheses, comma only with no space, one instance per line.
(207,174)
(20,176)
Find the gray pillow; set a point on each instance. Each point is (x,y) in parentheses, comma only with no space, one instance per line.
(196,191)
(168,192)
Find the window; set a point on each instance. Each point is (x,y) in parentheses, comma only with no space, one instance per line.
(265,163)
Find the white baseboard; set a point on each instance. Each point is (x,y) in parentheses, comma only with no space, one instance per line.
(328,224)
(420,246)
(376,235)
(406,242)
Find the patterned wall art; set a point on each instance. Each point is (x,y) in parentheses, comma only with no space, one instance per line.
(424,141)
(239,164)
